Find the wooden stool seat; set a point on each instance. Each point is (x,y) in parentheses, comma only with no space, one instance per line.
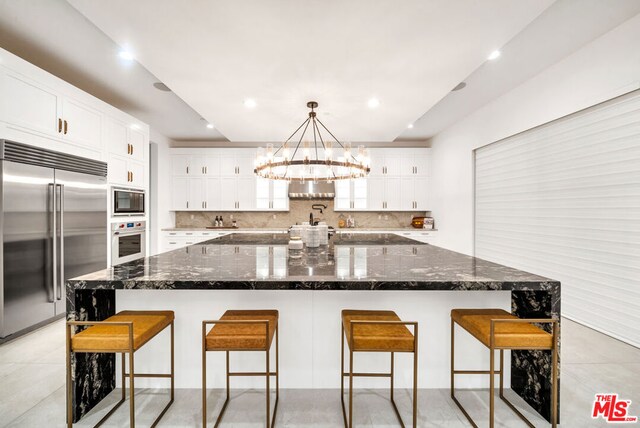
(376,337)
(235,337)
(115,338)
(506,334)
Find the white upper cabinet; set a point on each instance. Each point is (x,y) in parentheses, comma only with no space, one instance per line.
(30,105)
(399,185)
(81,124)
(39,109)
(351,195)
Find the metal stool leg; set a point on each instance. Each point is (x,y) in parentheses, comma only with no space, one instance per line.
(268,388)
(132,390)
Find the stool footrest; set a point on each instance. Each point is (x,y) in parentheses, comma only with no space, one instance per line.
(162,375)
(368,374)
(252,373)
(476,372)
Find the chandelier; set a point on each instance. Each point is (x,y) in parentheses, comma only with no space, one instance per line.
(305,161)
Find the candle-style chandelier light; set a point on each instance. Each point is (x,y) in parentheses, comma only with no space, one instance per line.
(304,161)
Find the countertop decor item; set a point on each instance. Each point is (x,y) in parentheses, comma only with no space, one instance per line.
(295,243)
(417,222)
(309,165)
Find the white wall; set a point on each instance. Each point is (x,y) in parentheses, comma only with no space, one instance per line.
(602,69)
(160,215)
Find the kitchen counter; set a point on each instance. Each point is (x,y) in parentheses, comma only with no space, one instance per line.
(362,263)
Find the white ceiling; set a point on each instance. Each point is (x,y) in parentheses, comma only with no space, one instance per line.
(215,54)
(56,37)
(560,30)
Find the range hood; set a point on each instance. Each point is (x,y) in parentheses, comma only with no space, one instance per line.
(311,190)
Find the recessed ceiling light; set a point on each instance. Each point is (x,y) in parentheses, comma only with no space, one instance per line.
(373,103)
(210,125)
(410,126)
(126,55)
(250,103)
(494,55)
(161,86)
(459,86)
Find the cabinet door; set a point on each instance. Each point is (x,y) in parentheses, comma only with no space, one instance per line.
(136,171)
(246,193)
(263,194)
(211,165)
(377,163)
(115,134)
(376,193)
(359,193)
(420,193)
(392,190)
(180,164)
(180,193)
(212,193)
(30,105)
(393,165)
(422,165)
(280,195)
(82,124)
(407,194)
(196,194)
(138,141)
(407,165)
(228,187)
(118,170)
(342,200)
(245,164)
(228,165)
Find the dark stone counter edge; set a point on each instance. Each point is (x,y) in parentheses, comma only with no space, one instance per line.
(292,284)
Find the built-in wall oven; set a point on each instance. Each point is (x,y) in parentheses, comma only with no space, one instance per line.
(127,202)
(128,241)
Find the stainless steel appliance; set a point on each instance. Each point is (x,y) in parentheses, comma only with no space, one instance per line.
(128,241)
(312,190)
(127,202)
(53,227)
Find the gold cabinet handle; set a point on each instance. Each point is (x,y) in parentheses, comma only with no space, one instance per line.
(59,125)
(65,127)
(131,148)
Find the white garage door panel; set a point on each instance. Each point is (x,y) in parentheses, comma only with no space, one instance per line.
(563,201)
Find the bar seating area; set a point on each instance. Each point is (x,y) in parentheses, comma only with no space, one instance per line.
(363,331)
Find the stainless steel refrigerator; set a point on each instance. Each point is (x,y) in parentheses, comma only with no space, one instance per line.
(53,223)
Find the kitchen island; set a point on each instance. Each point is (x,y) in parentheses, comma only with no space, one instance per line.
(375,271)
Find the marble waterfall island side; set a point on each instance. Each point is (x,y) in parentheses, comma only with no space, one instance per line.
(364,265)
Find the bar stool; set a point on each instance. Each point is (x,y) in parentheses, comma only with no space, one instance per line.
(122,333)
(497,329)
(377,331)
(241,330)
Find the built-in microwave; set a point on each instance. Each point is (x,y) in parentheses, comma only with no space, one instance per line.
(127,202)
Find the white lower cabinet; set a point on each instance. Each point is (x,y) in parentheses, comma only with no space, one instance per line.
(180,239)
(425,236)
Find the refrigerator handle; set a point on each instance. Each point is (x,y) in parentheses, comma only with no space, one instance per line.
(54,231)
(61,283)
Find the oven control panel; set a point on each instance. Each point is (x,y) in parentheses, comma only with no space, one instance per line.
(128,226)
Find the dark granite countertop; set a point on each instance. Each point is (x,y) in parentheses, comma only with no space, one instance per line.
(351,262)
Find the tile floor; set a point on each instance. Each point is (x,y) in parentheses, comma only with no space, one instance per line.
(32,392)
